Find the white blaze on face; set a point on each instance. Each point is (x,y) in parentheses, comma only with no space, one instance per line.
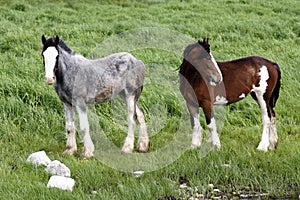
(217,67)
(50,55)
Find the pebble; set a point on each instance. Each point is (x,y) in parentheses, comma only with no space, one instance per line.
(138,173)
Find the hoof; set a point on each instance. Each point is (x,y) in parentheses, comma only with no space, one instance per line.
(216,146)
(195,146)
(69,151)
(273,142)
(86,154)
(126,149)
(127,146)
(84,157)
(143,146)
(262,147)
(273,146)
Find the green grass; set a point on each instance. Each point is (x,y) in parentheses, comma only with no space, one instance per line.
(31,117)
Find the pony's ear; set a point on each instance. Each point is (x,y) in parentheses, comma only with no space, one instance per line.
(205,41)
(43,39)
(56,40)
(206,45)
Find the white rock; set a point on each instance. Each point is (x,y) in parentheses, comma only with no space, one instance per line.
(138,173)
(39,158)
(226,165)
(183,186)
(57,168)
(216,190)
(60,182)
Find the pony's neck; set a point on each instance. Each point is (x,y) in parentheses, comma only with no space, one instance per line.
(66,66)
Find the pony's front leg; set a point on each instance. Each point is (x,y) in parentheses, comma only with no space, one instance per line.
(88,149)
(71,147)
(129,141)
(211,124)
(214,138)
(196,132)
(143,142)
(196,126)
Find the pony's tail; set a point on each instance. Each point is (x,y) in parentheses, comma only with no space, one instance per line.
(275,93)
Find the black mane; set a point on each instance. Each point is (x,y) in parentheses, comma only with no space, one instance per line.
(64,46)
(205,44)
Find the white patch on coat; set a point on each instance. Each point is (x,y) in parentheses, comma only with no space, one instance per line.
(50,55)
(217,66)
(264,76)
(242,96)
(220,100)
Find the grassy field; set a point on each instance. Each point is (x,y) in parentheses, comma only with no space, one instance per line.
(32,119)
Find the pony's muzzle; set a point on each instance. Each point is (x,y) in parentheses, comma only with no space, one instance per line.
(216,79)
(49,80)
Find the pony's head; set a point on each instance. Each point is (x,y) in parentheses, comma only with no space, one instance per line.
(199,56)
(50,57)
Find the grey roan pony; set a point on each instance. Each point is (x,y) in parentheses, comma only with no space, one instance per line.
(80,81)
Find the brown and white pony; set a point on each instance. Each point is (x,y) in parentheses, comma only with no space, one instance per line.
(205,83)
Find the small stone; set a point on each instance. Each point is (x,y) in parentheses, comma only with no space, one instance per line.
(200,196)
(183,186)
(226,165)
(193,198)
(94,192)
(216,190)
(138,173)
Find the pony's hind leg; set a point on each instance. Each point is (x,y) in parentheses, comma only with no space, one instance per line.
(273,138)
(143,142)
(265,138)
(129,141)
(71,147)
